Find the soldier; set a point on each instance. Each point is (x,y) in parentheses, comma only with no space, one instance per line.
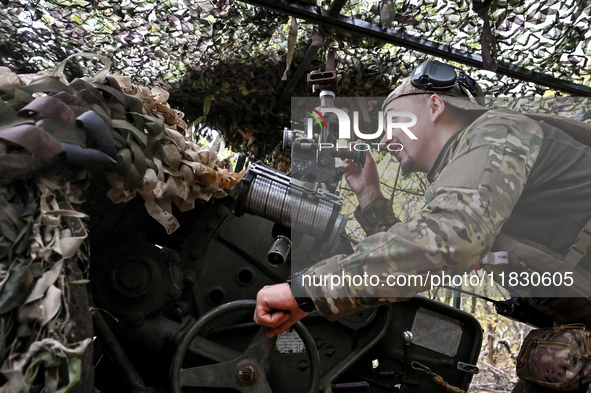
(499,181)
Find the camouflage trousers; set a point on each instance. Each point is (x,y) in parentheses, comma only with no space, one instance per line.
(528,387)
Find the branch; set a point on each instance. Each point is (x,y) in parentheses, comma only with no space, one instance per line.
(507,347)
(497,371)
(489,387)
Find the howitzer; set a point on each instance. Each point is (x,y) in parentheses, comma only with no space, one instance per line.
(183,317)
(186,294)
(172,309)
(181,301)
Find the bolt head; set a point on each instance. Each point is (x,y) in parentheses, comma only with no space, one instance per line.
(246,373)
(189,279)
(177,312)
(171,258)
(303,365)
(407,337)
(173,294)
(329,351)
(136,318)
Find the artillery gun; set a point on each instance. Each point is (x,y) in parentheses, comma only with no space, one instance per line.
(184,300)
(173,311)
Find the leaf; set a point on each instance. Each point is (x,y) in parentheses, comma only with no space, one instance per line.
(45,358)
(198,121)
(207,105)
(46,281)
(291,41)
(74,373)
(17,288)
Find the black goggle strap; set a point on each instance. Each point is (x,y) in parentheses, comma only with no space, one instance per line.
(468,84)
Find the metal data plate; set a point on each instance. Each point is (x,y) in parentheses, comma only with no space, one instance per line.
(290,342)
(436,332)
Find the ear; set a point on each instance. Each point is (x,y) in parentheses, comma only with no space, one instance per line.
(436,107)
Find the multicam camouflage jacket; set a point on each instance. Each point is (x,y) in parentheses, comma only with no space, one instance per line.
(483,177)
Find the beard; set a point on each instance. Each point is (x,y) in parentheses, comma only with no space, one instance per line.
(407,168)
(406,164)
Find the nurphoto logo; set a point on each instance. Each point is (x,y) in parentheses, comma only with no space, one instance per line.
(345,123)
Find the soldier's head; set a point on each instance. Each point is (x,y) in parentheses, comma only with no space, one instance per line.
(443,100)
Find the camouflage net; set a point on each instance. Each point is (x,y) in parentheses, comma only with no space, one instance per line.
(53,135)
(222,62)
(221,57)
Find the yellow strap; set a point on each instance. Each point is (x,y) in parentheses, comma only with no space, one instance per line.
(570,326)
(523,353)
(587,353)
(437,378)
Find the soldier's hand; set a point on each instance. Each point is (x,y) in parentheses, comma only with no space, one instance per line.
(364,182)
(277,309)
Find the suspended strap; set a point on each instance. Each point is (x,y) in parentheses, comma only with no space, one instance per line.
(99,77)
(45,85)
(65,133)
(71,100)
(9,117)
(139,136)
(88,158)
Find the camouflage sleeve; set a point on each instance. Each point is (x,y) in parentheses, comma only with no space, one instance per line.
(377,216)
(466,207)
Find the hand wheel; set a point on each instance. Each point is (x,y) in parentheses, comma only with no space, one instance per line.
(246,373)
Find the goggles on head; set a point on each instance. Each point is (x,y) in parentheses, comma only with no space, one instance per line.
(434,75)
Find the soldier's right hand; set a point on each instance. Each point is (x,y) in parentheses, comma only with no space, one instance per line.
(277,309)
(364,182)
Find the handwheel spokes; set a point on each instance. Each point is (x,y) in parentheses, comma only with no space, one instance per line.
(259,347)
(246,372)
(241,374)
(259,386)
(220,375)
(211,350)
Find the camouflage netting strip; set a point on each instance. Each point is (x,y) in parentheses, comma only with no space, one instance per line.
(53,135)
(188,172)
(225,56)
(154,157)
(35,317)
